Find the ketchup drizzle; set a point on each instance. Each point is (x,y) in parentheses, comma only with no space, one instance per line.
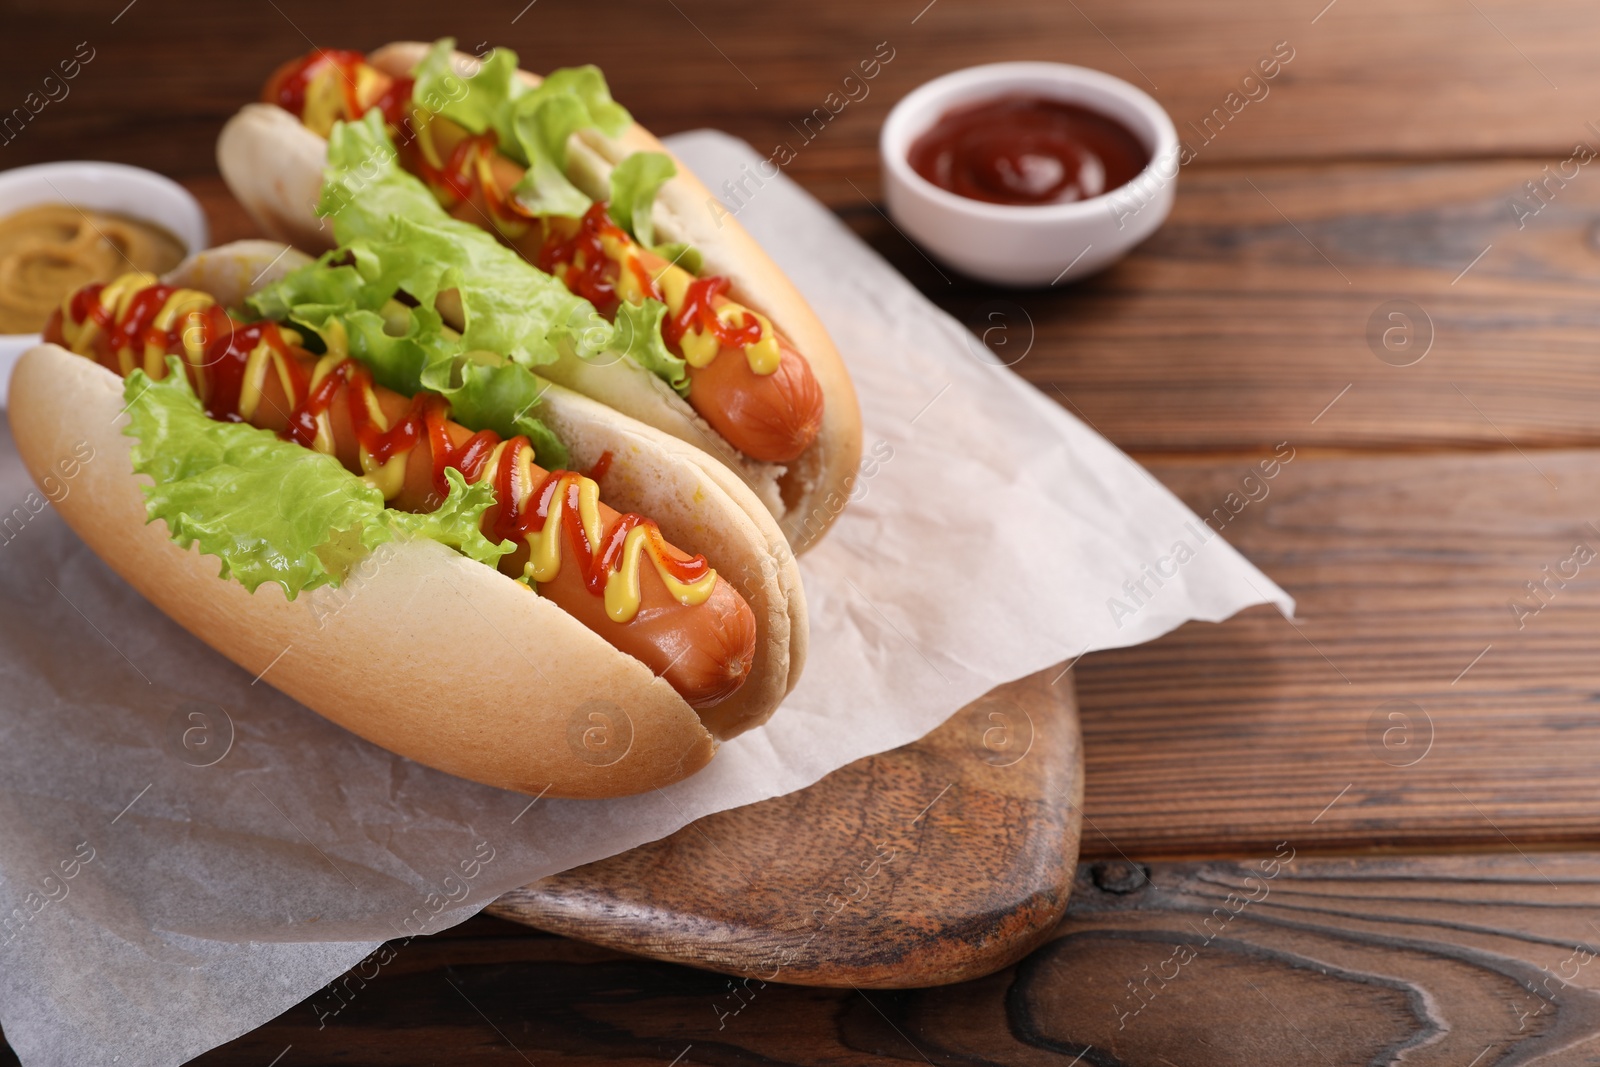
(468,459)
(225,343)
(220,377)
(595,566)
(356,380)
(579,259)
(700,310)
(289,85)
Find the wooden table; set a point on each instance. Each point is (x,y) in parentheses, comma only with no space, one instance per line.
(1422,749)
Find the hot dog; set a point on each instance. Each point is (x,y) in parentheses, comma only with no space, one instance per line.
(771,395)
(700,638)
(744,378)
(619,576)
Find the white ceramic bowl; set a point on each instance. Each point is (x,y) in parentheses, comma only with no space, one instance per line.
(1036,244)
(114,187)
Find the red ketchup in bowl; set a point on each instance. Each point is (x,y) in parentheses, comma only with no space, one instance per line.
(1027,150)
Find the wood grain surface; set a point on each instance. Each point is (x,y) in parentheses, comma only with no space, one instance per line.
(1384,165)
(942,860)
(1410,689)
(1274,958)
(1268,295)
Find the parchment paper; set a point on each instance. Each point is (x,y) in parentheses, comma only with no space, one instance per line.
(155,906)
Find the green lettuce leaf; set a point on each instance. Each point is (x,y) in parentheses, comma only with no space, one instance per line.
(228,487)
(544,119)
(317,289)
(458,522)
(268,509)
(508,305)
(639,338)
(473,102)
(397,343)
(682,253)
(410,349)
(634,185)
(532,124)
(586,85)
(399,360)
(488,393)
(545,188)
(395,237)
(363,185)
(402,238)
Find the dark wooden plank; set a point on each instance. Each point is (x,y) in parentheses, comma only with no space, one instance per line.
(1337,961)
(1228,738)
(1236,325)
(942,860)
(1453,960)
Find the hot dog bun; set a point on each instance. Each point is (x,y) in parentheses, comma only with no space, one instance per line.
(423,651)
(274,165)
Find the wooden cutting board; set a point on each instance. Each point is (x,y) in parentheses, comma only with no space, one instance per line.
(937,862)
